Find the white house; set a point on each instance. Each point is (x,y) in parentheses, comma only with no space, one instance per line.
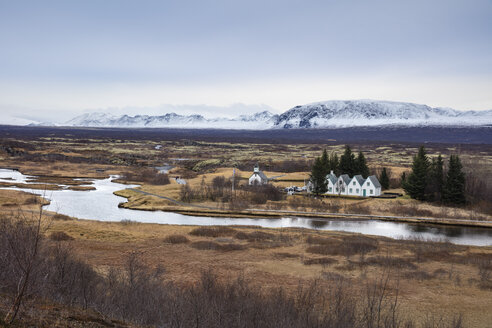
(342,185)
(331,183)
(371,187)
(355,186)
(258,177)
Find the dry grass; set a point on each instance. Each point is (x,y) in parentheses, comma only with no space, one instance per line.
(176,239)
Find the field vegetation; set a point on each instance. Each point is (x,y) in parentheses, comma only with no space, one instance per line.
(60,271)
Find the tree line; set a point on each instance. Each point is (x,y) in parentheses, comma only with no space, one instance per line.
(429,181)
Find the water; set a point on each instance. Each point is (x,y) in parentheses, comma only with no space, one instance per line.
(101,204)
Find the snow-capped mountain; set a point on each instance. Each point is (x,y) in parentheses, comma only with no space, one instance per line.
(261,120)
(346,113)
(328,114)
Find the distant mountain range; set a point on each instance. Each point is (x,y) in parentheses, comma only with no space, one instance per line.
(328,114)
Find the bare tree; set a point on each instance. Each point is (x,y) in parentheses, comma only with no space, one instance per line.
(21,240)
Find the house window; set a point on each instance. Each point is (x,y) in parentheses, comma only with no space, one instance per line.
(350,189)
(370,191)
(356,191)
(353,183)
(329,189)
(368,183)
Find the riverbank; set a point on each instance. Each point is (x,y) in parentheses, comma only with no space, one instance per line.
(171,205)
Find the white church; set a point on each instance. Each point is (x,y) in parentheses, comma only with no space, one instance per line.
(258,177)
(355,186)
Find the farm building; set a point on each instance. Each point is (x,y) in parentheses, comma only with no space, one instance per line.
(355,186)
(258,177)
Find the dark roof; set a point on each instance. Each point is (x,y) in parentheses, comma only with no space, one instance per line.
(374,181)
(261,174)
(345,178)
(332,177)
(359,179)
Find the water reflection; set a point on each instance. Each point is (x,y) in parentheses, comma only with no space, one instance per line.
(101,204)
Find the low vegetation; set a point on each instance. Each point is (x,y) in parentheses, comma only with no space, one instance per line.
(138,294)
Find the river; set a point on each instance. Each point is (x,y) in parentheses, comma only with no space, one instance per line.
(101,204)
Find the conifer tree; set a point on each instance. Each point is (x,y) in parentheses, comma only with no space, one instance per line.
(416,182)
(436,179)
(325,163)
(334,164)
(403,178)
(454,187)
(384,179)
(347,162)
(361,165)
(318,177)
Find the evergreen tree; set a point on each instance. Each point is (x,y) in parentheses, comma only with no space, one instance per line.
(347,162)
(403,178)
(436,179)
(325,163)
(416,182)
(334,164)
(361,165)
(318,177)
(384,179)
(454,187)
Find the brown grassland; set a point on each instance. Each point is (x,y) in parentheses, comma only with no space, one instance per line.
(431,278)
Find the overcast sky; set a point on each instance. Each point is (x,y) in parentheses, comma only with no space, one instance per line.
(61,58)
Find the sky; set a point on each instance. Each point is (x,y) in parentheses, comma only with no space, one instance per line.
(59,59)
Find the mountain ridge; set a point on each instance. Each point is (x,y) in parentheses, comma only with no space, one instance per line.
(325,114)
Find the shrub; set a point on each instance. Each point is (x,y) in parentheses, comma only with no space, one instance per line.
(61,217)
(146,175)
(283,255)
(320,260)
(60,236)
(218,231)
(129,222)
(211,245)
(321,240)
(390,261)
(254,236)
(176,239)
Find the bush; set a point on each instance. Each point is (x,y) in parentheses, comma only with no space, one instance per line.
(60,236)
(211,245)
(176,239)
(320,260)
(390,261)
(218,231)
(254,236)
(61,217)
(146,175)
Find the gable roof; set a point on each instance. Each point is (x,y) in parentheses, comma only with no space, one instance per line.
(261,174)
(332,177)
(359,179)
(374,181)
(346,179)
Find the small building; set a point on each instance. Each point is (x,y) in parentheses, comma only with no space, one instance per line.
(371,187)
(355,186)
(342,185)
(331,184)
(258,177)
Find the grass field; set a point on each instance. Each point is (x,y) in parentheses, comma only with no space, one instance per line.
(439,279)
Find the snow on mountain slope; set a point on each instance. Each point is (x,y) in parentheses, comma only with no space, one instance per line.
(328,114)
(374,113)
(261,120)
